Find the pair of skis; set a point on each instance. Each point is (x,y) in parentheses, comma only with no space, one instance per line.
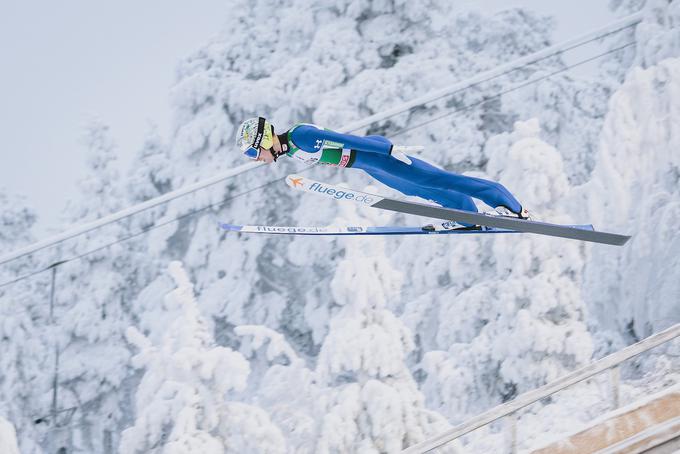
(483,223)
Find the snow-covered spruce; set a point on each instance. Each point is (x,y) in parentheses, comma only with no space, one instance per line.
(182,403)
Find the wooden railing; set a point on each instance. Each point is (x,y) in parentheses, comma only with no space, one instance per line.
(509,409)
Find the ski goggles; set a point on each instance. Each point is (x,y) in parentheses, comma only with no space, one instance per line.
(263,139)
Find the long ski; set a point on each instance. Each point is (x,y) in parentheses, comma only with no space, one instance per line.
(356,230)
(583,233)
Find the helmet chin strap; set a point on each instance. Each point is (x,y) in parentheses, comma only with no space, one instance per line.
(283,141)
(276,154)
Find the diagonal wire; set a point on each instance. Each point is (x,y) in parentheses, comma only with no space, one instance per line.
(148,229)
(511,70)
(510,90)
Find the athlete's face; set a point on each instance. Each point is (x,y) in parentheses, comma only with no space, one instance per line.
(265,156)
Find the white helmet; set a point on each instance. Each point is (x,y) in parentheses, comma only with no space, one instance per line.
(254,133)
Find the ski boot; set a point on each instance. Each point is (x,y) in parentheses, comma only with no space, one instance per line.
(450,225)
(505,211)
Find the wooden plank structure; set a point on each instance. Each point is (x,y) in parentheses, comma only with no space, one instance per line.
(507,409)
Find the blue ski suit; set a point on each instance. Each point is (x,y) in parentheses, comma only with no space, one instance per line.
(372,154)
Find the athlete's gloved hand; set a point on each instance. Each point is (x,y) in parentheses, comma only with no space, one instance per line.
(407,148)
(399,152)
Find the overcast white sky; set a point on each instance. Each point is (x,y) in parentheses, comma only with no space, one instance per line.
(64,62)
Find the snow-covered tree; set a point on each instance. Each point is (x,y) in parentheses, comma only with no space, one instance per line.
(372,403)
(16,220)
(286,388)
(517,321)
(102,183)
(150,174)
(634,190)
(147,178)
(91,308)
(182,401)
(26,362)
(657,35)
(24,340)
(360,396)
(8,437)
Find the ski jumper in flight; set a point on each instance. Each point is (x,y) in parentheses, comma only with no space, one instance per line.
(378,157)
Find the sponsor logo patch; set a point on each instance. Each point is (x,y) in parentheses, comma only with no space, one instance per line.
(269,228)
(296,181)
(340,194)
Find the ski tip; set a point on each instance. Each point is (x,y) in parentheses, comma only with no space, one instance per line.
(231,227)
(613,239)
(621,240)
